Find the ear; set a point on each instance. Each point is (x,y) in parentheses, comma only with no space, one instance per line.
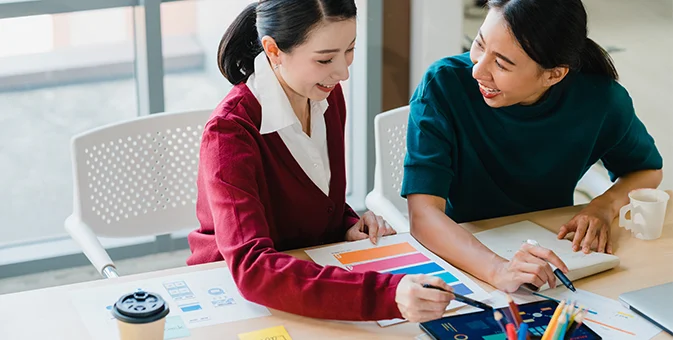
(271,49)
(555,75)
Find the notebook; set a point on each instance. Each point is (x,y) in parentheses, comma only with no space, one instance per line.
(506,241)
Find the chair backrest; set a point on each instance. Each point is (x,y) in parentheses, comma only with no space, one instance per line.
(390,131)
(138,177)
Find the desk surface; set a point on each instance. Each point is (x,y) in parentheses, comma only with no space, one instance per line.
(643,264)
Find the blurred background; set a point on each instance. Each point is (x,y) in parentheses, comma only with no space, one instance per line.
(67,66)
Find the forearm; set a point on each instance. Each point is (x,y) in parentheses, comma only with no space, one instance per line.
(444,237)
(617,196)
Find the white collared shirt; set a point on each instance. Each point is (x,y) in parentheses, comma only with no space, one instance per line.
(277,116)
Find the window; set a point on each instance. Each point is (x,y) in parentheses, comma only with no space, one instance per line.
(60,75)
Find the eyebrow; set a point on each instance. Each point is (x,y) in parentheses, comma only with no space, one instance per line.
(334,50)
(509,61)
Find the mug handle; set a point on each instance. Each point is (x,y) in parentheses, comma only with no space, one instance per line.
(627,222)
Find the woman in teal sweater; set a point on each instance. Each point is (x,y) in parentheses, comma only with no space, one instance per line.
(511,127)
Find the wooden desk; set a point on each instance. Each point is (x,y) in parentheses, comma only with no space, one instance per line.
(48,313)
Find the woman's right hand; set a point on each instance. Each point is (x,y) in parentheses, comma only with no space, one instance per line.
(419,304)
(529,265)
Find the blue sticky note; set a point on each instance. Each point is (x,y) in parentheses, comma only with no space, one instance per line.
(175,328)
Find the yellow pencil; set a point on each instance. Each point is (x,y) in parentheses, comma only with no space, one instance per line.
(549,332)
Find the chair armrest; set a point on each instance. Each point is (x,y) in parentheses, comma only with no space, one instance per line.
(380,205)
(91,246)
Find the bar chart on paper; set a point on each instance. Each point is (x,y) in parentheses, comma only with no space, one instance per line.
(397,254)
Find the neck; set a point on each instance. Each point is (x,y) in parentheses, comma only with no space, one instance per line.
(538,97)
(300,104)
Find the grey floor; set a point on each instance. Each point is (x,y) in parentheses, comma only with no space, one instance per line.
(40,122)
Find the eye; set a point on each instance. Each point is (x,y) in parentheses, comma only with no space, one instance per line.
(499,65)
(325,62)
(479,44)
(350,50)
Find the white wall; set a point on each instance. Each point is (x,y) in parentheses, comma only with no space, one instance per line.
(436,32)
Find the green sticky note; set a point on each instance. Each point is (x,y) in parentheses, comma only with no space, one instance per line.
(500,336)
(175,328)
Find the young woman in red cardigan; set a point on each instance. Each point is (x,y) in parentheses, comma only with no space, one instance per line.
(272,172)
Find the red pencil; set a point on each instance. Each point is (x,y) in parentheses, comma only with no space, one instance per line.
(511,332)
(515,311)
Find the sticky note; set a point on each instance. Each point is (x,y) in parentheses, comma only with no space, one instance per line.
(175,328)
(273,333)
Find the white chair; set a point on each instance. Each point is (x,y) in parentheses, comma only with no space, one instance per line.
(390,134)
(134,178)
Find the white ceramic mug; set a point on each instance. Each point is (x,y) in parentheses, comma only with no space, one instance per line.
(648,209)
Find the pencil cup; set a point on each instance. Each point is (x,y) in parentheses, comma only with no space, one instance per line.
(648,209)
(141,316)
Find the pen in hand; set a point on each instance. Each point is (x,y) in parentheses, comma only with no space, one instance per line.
(463,299)
(564,279)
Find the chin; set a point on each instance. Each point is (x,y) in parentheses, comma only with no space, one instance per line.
(317,95)
(495,102)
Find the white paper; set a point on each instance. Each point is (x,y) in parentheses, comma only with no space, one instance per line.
(506,241)
(608,317)
(326,257)
(200,298)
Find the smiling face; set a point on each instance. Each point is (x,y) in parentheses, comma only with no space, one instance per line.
(505,73)
(312,69)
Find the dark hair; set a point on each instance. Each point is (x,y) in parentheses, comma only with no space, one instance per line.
(554,33)
(288,22)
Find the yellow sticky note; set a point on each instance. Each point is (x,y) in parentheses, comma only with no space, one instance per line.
(273,333)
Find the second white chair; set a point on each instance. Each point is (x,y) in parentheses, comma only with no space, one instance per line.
(390,135)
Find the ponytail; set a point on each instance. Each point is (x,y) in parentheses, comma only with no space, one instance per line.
(594,59)
(239,47)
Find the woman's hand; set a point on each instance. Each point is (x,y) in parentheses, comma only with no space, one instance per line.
(529,265)
(371,226)
(419,304)
(592,229)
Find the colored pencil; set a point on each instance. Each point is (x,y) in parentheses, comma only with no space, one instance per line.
(515,311)
(511,332)
(523,331)
(578,322)
(549,332)
(498,318)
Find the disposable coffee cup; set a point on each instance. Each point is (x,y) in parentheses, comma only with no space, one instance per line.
(141,316)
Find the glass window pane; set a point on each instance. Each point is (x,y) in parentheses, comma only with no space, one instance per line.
(60,75)
(191,36)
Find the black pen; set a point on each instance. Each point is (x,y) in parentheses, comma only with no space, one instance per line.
(463,299)
(564,279)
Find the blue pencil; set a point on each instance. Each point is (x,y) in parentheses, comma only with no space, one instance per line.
(523,331)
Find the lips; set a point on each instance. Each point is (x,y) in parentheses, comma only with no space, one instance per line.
(488,92)
(325,87)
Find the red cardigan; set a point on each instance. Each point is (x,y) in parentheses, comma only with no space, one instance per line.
(254,200)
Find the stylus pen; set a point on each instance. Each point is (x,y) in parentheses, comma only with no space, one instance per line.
(564,279)
(463,299)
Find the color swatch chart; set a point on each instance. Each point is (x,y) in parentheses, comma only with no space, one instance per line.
(399,258)
(396,254)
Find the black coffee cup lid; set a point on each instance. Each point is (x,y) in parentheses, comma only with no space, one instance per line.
(140,307)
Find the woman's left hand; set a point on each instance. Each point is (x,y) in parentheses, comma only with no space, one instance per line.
(370,226)
(592,229)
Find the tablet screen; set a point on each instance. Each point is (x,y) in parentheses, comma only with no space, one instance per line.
(482,325)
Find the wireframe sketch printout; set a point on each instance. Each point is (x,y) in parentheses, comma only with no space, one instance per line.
(397,254)
(199,298)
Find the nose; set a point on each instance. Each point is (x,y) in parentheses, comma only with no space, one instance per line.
(341,72)
(480,71)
